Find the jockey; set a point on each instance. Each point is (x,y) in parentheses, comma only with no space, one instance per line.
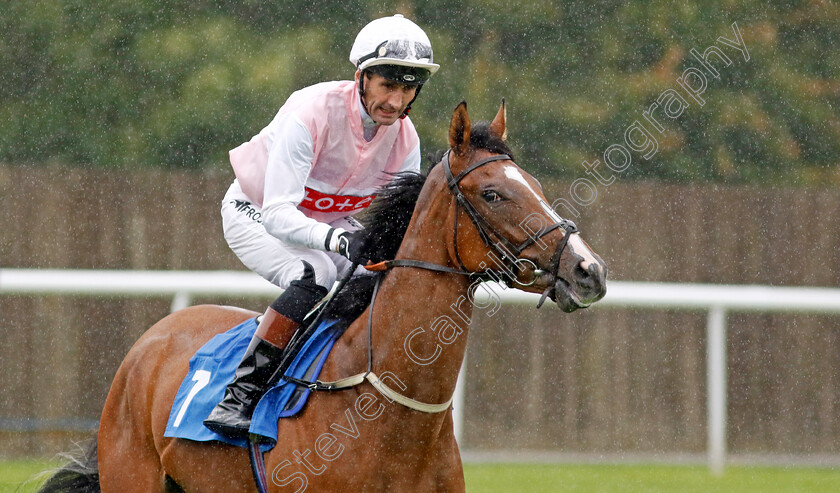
(288,213)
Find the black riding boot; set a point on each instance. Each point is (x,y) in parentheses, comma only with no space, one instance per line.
(232,416)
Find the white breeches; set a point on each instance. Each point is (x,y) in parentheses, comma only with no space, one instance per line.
(278,262)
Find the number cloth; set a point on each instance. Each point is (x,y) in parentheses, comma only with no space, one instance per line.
(212,368)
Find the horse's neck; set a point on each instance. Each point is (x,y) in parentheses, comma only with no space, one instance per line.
(420,325)
(420,317)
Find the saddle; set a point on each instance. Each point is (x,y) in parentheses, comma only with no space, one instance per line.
(213,366)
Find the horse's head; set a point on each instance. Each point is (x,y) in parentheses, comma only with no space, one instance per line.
(502,224)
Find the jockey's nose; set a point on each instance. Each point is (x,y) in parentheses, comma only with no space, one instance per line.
(395,99)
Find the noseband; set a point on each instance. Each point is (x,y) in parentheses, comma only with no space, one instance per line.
(507,251)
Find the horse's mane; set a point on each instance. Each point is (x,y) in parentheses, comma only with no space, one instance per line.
(386,221)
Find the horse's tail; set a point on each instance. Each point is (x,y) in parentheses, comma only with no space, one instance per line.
(80,475)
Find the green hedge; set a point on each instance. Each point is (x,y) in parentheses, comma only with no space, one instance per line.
(177,84)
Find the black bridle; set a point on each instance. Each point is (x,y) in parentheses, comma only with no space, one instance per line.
(507,251)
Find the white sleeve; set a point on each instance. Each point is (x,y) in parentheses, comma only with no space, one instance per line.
(290,155)
(412,161)
(285,221)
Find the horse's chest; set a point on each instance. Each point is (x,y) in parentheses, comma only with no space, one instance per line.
(361,446)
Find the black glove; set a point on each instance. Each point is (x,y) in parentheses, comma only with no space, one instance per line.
(348,244)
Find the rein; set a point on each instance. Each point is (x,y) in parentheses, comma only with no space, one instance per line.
(487,233)
(370,376)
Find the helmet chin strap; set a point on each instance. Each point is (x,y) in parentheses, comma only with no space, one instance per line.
(408,107)
(362,91)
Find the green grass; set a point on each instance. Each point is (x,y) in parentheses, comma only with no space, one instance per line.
(19,476)
(559,478)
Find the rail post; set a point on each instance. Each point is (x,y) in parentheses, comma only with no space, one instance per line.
(716,381)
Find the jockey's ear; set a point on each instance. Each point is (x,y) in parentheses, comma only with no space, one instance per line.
(459,130)
(497,126)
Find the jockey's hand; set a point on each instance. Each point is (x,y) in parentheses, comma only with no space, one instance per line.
(348,244)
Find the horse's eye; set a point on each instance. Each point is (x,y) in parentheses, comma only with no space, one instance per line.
(492,196)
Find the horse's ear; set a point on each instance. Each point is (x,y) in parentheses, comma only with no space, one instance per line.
(459,130)
(497,126)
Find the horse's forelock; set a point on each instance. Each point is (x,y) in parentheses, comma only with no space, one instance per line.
(482,138)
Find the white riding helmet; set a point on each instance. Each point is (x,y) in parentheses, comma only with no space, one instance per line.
(395,48)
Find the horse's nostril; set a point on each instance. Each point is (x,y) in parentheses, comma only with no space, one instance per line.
(591,276)
(581,273)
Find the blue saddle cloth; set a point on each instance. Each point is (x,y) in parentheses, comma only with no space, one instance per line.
(212,368)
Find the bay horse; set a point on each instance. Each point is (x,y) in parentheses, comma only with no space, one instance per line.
(477,216)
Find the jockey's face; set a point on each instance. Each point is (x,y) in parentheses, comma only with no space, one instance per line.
(385,99)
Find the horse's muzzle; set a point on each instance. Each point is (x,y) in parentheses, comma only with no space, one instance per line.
(585,286)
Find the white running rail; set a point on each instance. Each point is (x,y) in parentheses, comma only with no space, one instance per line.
(717,300)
